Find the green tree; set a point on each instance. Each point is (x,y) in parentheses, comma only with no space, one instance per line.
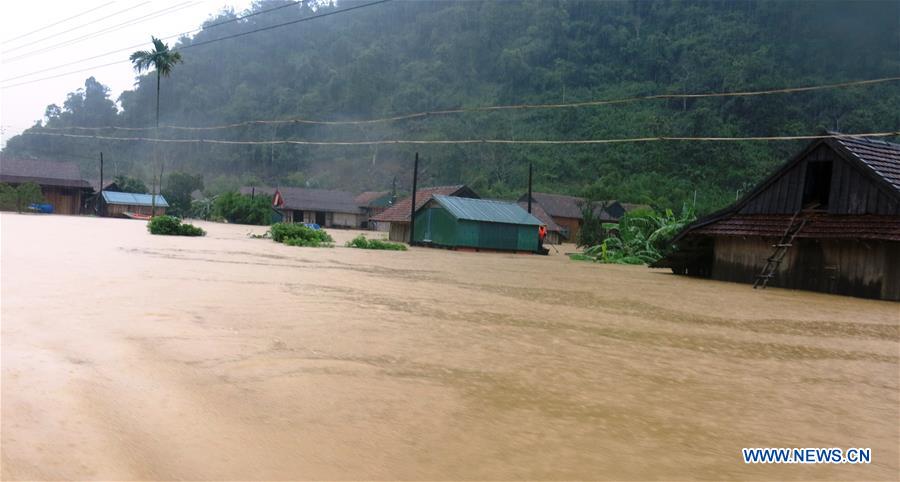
(163,60)
(131,184)
(20,197)
(238,208)
(179,186)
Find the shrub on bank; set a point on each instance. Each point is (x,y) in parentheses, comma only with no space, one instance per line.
(300,235)
(362,243)
(172,226)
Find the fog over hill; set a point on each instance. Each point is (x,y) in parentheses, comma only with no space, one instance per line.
(407,57)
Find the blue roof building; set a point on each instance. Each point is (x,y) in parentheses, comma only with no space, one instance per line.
(127,204)
(455,222)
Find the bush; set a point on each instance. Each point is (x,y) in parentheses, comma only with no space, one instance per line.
(640,237)
(362,243)
(19,198)
(241,209)
(300,235)
(172,226)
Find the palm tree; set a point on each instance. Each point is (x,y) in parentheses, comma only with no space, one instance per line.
(163,60)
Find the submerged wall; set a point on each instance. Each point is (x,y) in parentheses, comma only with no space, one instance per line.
(864,268)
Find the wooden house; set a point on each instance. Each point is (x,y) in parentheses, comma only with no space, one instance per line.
(479,224)
(396,217)
(60,182)
(327,208)
(828,220)
(122,204)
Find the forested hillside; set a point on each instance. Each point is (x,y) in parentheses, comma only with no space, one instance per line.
(410,56)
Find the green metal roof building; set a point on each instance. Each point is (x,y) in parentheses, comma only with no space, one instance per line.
(456,222)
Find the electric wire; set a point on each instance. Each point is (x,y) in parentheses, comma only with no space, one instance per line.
(177,35)
(55,23)
(504,107)
(128,23)
(32,42)
(304,19)
(474,141)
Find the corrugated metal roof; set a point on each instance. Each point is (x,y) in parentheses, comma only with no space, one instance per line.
(538,211)
(399,212)
(133,199)
(487,211)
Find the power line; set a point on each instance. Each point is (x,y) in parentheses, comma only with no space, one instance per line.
(475,141)
(508,107)
(75,28)
(56,23)
(113,28)
(270,27)
(304,19)
(177,35)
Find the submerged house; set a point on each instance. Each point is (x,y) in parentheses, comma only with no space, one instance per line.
(554,231)
(828,220)
(327,208)
(567,212)
(480,224)
(60,182)
(123,204)
(395,219)
(372,203)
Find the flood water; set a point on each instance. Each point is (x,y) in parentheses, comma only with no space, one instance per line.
(130,356)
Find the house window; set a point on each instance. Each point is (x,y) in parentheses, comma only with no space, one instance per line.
(818,185)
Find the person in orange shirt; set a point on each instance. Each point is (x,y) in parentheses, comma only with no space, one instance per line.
(542,233)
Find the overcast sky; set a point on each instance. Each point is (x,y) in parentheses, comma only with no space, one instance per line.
(130,23)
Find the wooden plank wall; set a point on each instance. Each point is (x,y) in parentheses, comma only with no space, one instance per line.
(64,200)
(852,190)
(119,210)
(868,269)
(782,196)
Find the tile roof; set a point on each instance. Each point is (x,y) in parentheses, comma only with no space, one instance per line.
(399,212)
(558,205)
(538,211)
(485,210)
(133,199)
(46,173)
(318,200)
(368,197)
(835,226)
(880,156)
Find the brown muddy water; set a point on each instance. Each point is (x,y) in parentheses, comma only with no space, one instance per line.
(130,356)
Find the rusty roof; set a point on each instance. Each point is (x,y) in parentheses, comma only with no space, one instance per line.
(399,212)
(819,225)
(45,173)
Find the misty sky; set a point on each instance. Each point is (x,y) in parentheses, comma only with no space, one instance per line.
(21,106)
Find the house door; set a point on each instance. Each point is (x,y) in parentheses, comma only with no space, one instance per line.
(427,237)
(320,218)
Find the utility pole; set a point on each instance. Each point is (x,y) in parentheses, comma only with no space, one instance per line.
(529,186)
(100,197)
(412,209)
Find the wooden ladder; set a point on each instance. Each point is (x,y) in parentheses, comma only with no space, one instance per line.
(787,240)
